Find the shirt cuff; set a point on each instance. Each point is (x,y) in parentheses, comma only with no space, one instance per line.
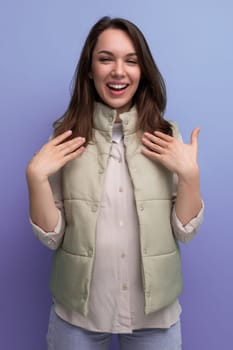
(50,239)
(185,232)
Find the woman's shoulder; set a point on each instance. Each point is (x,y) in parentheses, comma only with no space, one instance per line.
(175,128)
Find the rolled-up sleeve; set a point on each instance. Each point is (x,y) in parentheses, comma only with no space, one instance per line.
(186,232)
(53,239)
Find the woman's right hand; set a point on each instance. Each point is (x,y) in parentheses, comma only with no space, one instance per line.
(54,155)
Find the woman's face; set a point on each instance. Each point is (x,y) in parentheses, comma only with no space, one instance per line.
(115,69)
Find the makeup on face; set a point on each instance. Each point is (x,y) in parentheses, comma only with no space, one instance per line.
(115,69)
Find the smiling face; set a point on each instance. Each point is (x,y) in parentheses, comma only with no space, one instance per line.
(115,69)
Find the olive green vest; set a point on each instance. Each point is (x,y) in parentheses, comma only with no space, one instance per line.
(82,185)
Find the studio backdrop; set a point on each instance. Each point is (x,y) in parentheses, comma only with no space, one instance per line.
(191,42)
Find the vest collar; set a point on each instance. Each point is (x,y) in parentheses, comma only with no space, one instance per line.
(104,119)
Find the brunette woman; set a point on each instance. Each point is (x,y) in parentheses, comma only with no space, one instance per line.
(112,192)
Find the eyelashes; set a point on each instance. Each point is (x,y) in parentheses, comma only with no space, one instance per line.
(110,59)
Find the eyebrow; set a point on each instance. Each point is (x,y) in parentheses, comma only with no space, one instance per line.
(111,54)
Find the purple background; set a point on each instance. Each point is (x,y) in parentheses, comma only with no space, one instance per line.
(192,44)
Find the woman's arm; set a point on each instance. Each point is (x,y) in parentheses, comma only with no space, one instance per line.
(188,199)
(51,158)
(184,233)
(52,239)
(181,159)
(43,211)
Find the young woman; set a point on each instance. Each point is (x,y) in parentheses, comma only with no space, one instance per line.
(112,192)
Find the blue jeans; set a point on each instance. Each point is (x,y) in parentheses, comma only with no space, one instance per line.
(64,336)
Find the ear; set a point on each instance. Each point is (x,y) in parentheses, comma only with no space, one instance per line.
(90,75)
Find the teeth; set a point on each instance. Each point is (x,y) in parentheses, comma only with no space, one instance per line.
(117,86)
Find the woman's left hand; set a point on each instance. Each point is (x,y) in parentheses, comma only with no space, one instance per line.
(172,153)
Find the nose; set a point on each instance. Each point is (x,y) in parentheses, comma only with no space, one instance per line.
(118,69)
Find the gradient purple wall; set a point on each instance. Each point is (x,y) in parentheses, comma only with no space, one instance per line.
(192,44)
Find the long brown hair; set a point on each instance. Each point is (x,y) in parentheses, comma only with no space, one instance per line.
(149,99)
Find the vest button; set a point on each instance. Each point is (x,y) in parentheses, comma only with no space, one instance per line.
(141,207)
(50,241)
(148,294)
(126,122)
(94,208)
(84,297)
(90,252)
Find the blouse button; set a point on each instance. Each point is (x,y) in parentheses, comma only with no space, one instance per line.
(124,286)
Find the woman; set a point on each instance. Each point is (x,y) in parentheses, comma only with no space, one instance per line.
(112,192)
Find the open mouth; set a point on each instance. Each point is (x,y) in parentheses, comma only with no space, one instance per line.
(117,87)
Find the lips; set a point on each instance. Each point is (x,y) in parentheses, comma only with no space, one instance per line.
(117,87)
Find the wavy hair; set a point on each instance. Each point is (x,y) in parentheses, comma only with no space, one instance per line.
(149,99)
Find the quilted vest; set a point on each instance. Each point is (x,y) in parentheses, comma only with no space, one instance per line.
(82,185)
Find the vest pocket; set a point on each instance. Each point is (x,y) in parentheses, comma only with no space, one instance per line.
(163,281)
(70,280)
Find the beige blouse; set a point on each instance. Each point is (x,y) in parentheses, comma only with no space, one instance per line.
(116,298)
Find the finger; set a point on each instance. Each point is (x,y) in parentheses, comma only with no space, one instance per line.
(150,154)
(152,146)
(72,145)
(194,136)
(72,149)
(74,154)
(155,139)
(163,136)
(60,138)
